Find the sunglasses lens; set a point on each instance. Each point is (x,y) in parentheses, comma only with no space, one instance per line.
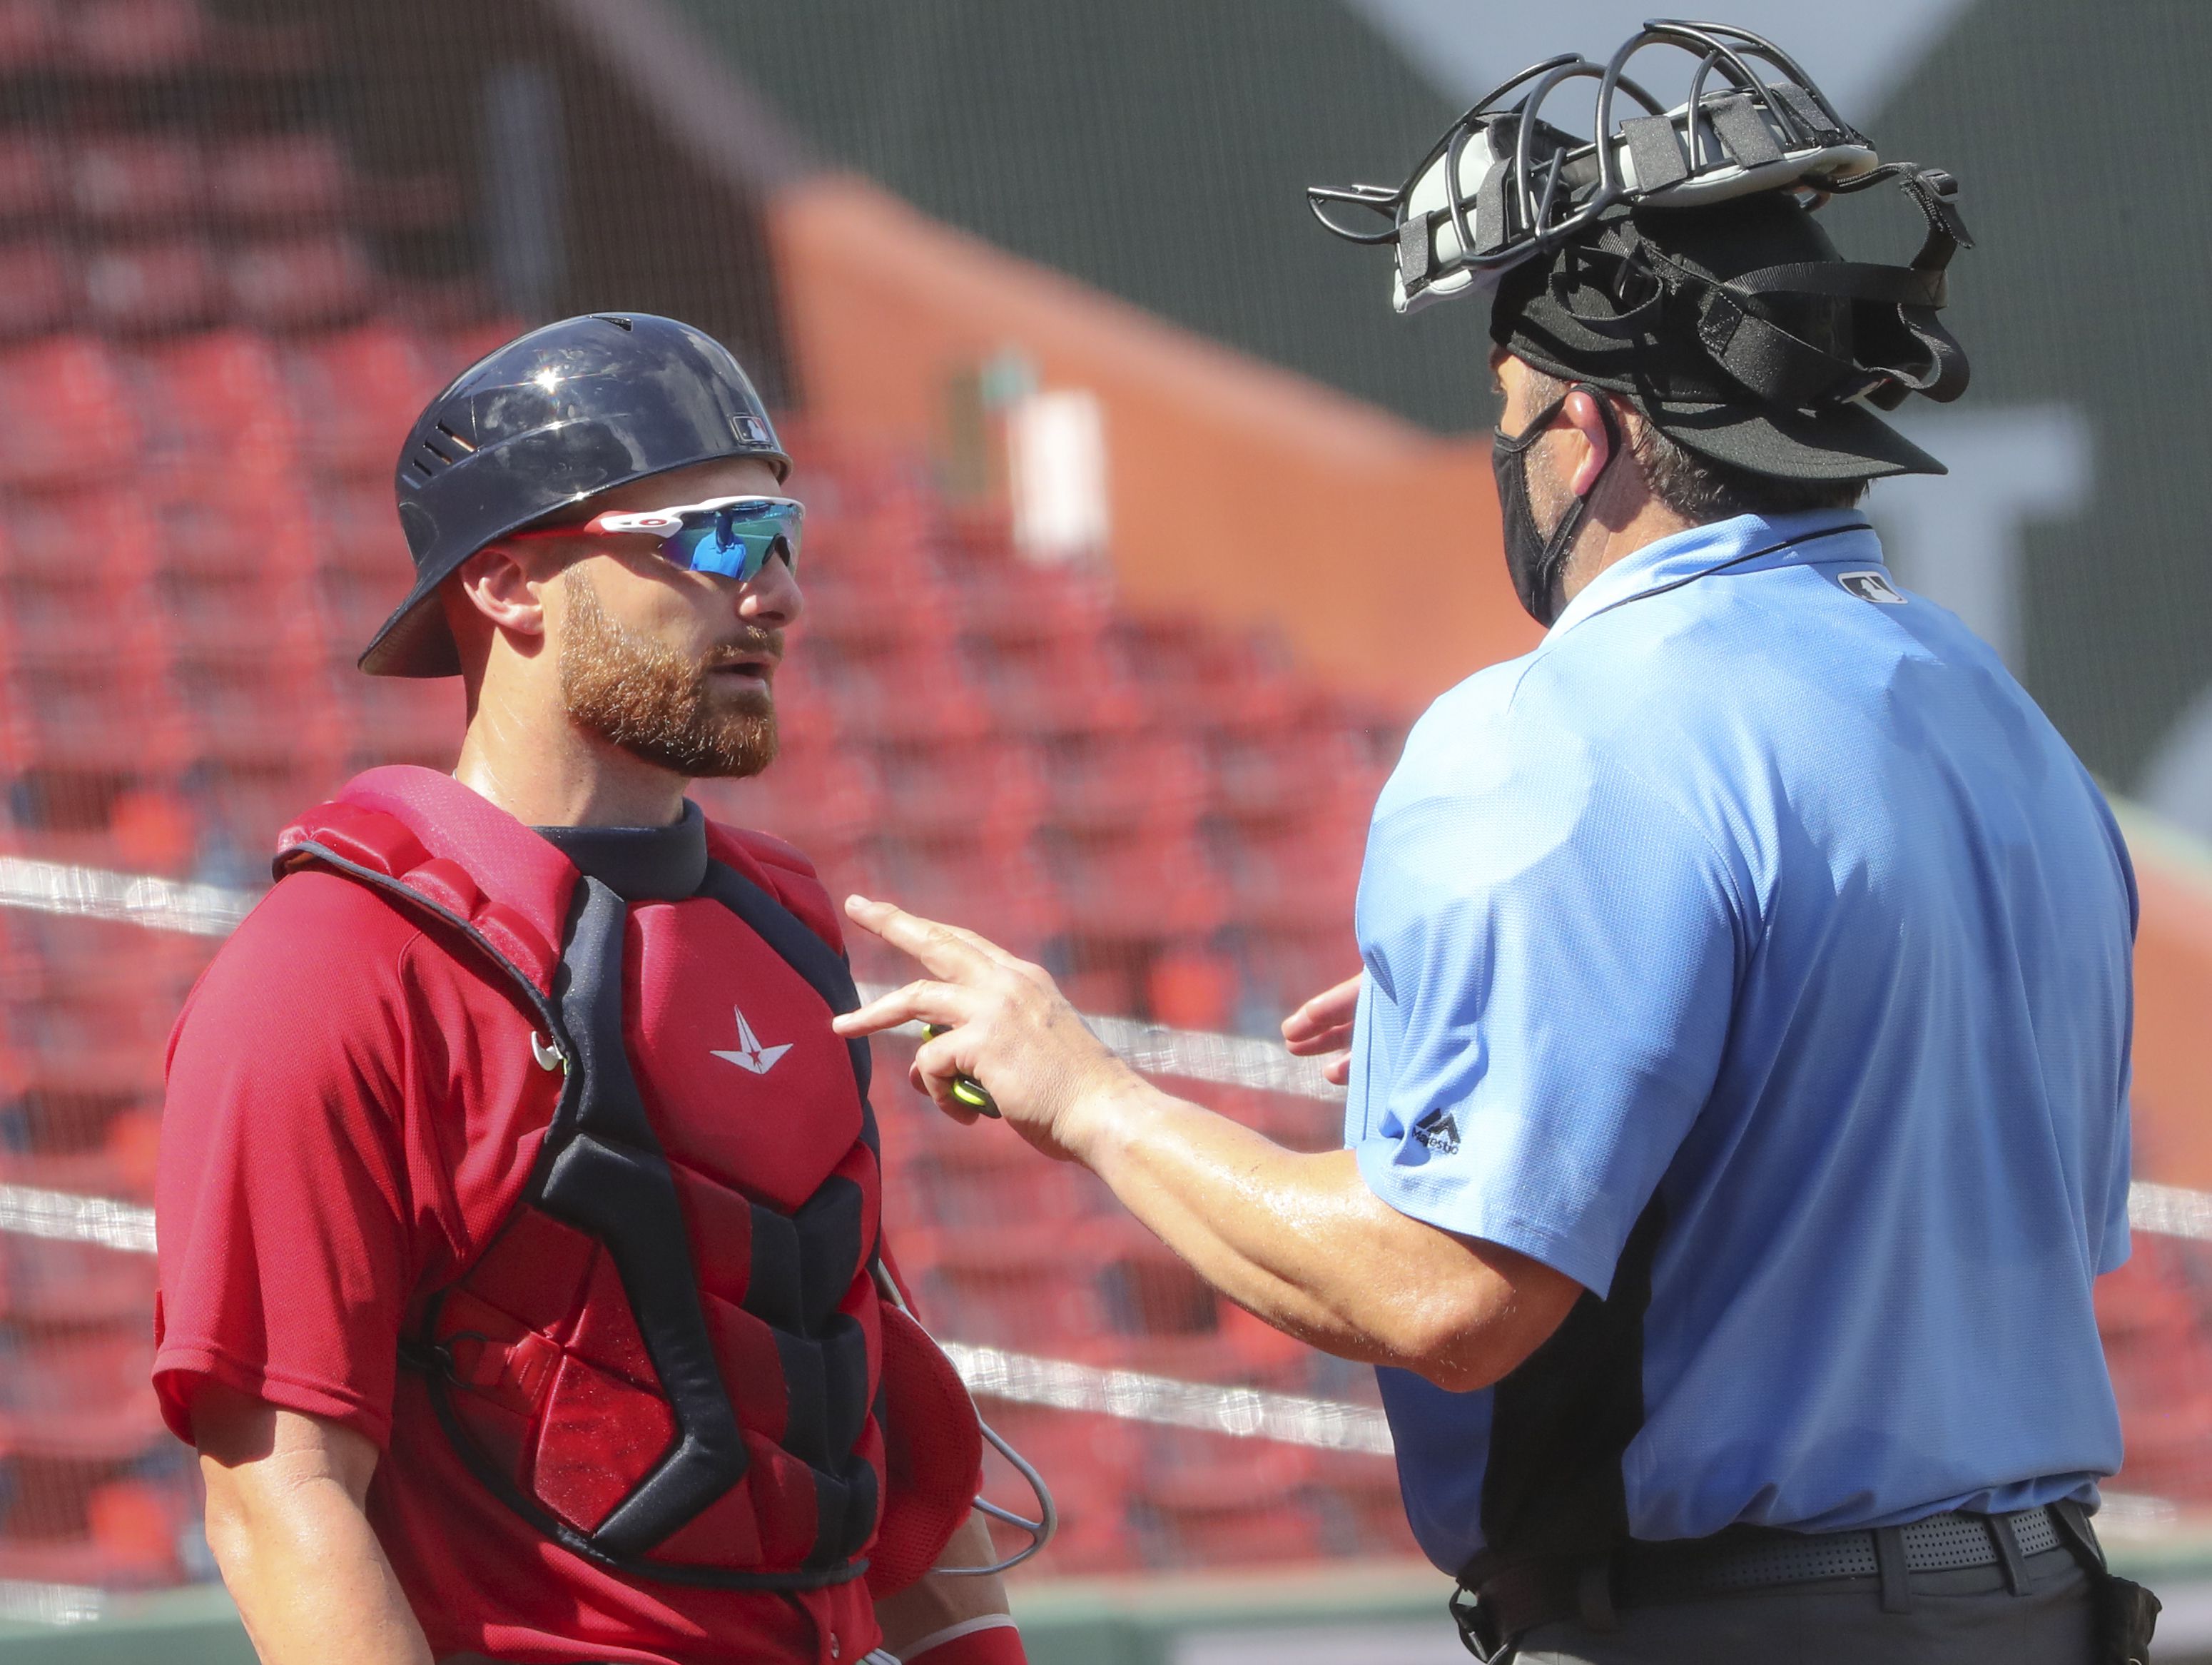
(734,543)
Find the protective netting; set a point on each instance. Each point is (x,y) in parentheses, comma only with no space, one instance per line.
(240,243)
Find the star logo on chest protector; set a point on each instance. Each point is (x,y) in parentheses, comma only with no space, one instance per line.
(751,1056)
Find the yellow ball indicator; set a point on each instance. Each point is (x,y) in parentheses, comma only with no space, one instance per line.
(965,1088)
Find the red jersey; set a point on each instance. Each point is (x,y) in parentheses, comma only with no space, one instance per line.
(355,1104)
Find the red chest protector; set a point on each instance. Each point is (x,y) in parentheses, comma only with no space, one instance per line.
(672,1357)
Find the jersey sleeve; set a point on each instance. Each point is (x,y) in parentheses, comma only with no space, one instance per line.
(1551,949)
(281,1199)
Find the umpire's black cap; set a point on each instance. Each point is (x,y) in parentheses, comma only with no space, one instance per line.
(552,417)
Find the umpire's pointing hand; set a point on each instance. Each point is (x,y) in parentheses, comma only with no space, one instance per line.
(1006,1025)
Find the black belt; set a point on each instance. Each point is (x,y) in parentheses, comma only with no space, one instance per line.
(1498,1606)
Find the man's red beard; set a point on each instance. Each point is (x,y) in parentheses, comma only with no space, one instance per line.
(656,704)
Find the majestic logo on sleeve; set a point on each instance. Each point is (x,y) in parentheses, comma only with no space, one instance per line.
(1871,586)
(751,1056)
(1439,1130)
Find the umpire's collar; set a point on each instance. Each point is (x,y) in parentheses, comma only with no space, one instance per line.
(1747,542)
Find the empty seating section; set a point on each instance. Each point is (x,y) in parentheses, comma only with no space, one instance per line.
(204,377)
(204,380)
(201,393)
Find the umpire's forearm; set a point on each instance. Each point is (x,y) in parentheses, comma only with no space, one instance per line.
(1301,1242)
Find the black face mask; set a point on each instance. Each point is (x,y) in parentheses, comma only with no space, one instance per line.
(1534,560)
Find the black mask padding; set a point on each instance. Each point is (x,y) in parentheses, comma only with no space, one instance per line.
(1740,331)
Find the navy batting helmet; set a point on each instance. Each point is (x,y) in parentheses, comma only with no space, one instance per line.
(554,417)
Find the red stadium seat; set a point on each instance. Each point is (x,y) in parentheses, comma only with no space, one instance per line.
(38,288)
(1142,889)
(397,719)
(258,525)
(66,414)
(1000,889)
(1300,880)
(957,1177)
(458,348)
(232,610)
(1023,1287)
(50,1281)
(108,1154)
(1212,1500)
(855,611)
(301,283)
(33,166)
(219,404)
(133,37)
(822,800)
(289,178)
(960,790)
(84,548)
(1051,689)
(1193,988)
(1123,784)
(124,179)
(173,283)
(251,716)
(918,696)
(30,33)
(79,1395)
(1287,967)
(353,602)
(1008,604)
(358,391)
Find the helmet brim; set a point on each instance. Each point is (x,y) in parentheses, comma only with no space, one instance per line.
(1843,442)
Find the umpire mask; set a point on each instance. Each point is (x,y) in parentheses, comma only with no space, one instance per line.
(1534,560)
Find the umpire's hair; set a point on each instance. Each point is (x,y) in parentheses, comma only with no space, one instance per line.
(1701,490)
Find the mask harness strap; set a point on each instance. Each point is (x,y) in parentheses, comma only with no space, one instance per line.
(1552,559)
(1911,350)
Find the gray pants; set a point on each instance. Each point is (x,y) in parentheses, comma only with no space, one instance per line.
(2049,1625)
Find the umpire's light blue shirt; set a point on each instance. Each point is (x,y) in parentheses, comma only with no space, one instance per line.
(1762,888)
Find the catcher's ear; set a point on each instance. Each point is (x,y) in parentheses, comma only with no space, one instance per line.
(500,587)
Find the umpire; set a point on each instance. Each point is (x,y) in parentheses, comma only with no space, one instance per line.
(1738,1074)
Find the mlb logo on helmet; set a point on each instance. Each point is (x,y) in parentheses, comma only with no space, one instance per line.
(750,429)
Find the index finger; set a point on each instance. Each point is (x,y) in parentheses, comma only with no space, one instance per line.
(944,951)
